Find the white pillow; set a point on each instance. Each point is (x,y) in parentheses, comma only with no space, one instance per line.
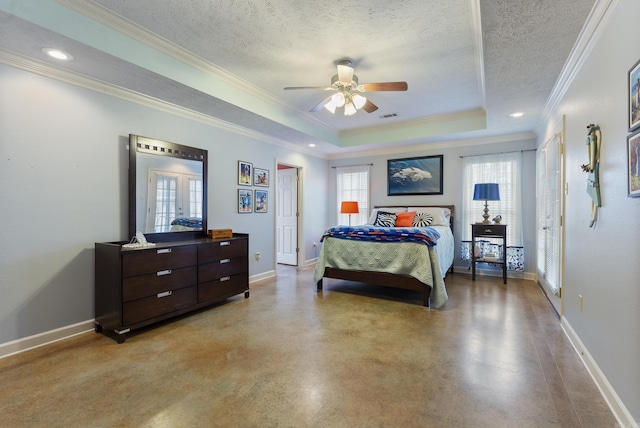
(374,212)
(441,216)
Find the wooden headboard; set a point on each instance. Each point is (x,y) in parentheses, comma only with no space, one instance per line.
(451,208)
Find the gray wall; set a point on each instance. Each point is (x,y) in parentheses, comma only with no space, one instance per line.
(63,169)
(601,263)
(452,184)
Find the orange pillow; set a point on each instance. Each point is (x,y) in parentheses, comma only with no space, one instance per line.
(405,219)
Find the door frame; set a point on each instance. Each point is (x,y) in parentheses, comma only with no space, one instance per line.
(300,238)
(556,300)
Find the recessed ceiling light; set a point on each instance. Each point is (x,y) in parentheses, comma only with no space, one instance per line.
(57,54)
(312,145)
(517,114)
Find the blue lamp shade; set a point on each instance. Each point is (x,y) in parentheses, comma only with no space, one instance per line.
(486,192)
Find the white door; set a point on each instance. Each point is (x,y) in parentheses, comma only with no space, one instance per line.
(549,218)
(287,216)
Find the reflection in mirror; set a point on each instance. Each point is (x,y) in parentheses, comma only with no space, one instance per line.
(167,188)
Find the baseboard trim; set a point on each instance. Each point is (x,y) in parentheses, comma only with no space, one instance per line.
(41,339)
(311,262)
(616,405)
(264,275)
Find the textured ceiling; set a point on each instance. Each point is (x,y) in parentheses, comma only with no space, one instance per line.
(231,60)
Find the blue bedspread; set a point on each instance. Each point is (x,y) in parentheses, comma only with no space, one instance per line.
(424,235)
(194,222)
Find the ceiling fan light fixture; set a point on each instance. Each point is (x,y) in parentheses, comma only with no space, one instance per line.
(338,99)
(330,106)
(349,109)
(358,101)
(348,91)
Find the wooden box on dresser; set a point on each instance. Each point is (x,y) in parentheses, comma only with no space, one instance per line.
(137,287)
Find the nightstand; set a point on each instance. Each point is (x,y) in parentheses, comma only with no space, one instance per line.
(482,230)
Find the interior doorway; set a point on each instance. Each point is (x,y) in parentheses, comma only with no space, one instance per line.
(287,215)
(549,206)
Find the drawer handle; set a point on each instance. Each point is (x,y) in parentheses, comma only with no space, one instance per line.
(225,261)
(164,251)
(164,272)
(225,278)
(488,230)
(225,243)
(164,294)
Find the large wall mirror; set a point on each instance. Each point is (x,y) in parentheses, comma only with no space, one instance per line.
(167,189)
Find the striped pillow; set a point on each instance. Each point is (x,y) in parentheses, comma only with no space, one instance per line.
(384,219)
(422,220)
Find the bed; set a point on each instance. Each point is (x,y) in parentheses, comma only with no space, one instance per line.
(181,224)
(411,262)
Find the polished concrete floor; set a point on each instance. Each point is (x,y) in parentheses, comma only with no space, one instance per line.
(351,356)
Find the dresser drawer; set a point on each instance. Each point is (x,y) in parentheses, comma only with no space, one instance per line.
(223,250)
(156,259)
(136,287)
(225,286)
(489,229)
(218,269)
(157,305)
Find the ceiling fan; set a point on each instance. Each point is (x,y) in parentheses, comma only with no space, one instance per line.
(348,91)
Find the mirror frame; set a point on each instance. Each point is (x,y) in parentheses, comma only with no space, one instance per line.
(139,144)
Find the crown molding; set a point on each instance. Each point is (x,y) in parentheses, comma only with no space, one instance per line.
(590,34)
(440,145)
(47,70)
(425,121)
(104,16)
(476,28)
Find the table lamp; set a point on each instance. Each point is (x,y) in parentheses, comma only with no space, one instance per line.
(486,192)
(349,207)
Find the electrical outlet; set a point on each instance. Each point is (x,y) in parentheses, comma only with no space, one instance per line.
(580,301)
(315,245)
(258,255)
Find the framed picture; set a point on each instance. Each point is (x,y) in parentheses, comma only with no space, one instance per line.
(261,177)
(634,96)
(633,173)
(262,201)
(245,201)
(415,176)
(245,173)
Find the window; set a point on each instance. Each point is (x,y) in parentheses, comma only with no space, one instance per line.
(195,197)
(165,212)
(504,169)
(353,185)
(172,195)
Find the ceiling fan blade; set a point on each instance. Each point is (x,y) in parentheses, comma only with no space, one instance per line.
(321,105)
(369,107)
(324,88)
(345,72)
(384,86)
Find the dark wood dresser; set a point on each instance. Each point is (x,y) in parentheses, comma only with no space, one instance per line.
(137,287)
